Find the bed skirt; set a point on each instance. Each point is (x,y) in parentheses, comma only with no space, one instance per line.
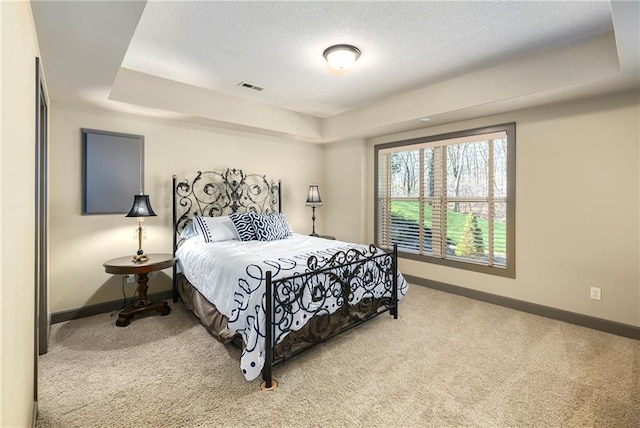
(214,321)
(314,331)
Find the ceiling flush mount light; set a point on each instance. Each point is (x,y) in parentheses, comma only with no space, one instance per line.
(341,57)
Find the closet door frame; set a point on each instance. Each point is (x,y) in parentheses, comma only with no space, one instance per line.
(41,244)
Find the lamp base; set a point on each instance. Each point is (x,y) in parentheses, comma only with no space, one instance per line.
(140,258)
(314,234)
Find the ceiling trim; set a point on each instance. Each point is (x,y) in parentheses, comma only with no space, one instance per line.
(155,92)
(555,69)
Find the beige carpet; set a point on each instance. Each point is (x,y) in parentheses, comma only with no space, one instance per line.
(447,362)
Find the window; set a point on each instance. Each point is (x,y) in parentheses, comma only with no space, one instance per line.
(450,199)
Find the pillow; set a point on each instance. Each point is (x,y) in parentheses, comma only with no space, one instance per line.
(189,231)
(215,229)
(244,226)
(271,226)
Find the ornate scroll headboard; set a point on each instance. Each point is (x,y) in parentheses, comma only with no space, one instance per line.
(213,194)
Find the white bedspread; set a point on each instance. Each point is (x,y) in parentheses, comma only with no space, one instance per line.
(230,274)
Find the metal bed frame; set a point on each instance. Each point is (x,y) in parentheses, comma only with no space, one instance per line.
(341,275)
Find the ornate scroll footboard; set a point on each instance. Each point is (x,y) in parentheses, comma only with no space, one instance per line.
(339,293)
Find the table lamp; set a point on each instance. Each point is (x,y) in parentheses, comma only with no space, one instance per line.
(141,208)
(313,201)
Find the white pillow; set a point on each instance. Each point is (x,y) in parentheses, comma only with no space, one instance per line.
(215,229)
(189,231)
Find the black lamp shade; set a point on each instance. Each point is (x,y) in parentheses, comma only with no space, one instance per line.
(141,207)
(313,199)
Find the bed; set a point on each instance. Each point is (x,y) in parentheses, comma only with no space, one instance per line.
(252,281)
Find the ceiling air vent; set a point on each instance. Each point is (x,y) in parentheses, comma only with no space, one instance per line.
(250,86)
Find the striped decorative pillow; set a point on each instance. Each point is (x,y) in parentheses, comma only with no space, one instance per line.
(244,226)
(271,226)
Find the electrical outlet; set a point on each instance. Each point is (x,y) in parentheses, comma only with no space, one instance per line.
(130,278)
(596,293)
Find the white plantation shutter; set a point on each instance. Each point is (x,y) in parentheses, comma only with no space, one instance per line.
(384,206)
(399,190)
(446,198)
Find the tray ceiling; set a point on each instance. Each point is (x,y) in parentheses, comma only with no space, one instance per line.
(445,60)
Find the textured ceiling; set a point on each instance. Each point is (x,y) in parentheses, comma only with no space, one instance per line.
(405,45)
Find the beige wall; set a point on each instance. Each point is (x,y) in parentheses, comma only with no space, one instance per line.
(17,189)
(577,208)
(562,163)
(345,194)
(80,244)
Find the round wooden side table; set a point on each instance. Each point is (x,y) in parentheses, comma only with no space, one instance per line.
(141,270)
